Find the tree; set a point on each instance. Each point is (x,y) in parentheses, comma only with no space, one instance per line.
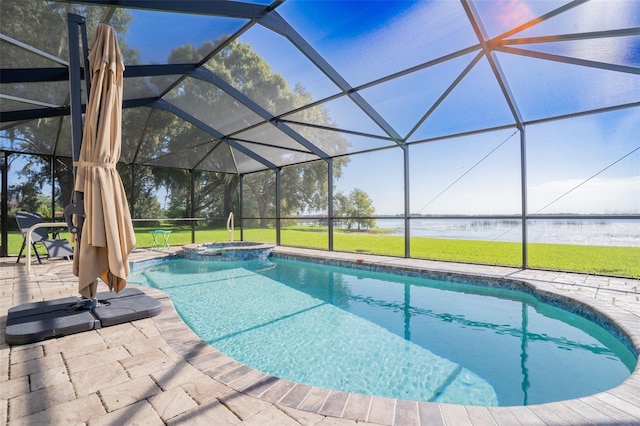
(342,208)
(171,141)
(145,204)
(44,134)
(260,196)
(357,208)
(26,197)
(304,187)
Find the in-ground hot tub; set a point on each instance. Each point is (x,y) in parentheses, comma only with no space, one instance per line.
(228,250)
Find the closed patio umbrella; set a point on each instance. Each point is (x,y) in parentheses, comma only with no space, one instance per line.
(107,235)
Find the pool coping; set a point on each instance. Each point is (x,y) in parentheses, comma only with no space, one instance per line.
(620,404)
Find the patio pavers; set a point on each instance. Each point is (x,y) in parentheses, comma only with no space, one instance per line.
(157,371)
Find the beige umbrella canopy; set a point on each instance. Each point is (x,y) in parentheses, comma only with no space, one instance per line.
(107,235)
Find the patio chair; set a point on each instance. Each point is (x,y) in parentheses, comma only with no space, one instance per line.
(56,247)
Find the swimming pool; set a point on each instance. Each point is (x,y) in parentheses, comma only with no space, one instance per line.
(389,335)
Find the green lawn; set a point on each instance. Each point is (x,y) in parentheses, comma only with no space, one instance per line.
(606,260)
(618,261)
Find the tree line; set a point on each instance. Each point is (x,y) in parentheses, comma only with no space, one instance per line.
(149,134)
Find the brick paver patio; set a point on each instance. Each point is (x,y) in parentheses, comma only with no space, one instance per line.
(157,371)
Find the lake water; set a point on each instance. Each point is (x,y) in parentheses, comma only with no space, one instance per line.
(624,233)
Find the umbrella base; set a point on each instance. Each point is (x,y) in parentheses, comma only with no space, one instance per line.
(34,322)
(86,304)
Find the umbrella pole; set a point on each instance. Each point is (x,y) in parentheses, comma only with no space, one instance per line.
(76,27)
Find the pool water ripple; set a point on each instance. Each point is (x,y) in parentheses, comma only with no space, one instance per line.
(353,331)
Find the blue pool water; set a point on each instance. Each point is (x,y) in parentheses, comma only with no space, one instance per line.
(390,335)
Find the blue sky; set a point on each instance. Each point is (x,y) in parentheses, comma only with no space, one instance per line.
(156,34)
(562,155)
